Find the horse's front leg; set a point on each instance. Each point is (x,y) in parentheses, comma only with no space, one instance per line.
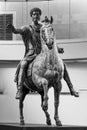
(45,97)
(42,83)
(22,96)
(48,120)
(57,90)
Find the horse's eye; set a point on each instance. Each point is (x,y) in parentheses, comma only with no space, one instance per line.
(52,29)
(42,31)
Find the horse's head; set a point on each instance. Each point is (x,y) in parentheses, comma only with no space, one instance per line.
(47,32)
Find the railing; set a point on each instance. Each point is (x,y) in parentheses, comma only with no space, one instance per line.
(74,49)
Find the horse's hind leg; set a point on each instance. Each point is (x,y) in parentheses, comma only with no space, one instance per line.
(57,90)
(48,120)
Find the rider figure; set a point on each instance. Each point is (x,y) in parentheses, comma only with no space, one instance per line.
(32,49)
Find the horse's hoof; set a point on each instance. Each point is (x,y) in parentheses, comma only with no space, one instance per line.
(58,123)
(22,123)
(49,122)
(45,107)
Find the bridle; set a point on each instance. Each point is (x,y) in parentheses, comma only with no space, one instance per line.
(47,34)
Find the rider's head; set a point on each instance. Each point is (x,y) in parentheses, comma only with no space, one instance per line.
(35,14)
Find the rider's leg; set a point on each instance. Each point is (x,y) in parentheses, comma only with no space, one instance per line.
(69,83)
(16,73)
(21,77)
(23,64)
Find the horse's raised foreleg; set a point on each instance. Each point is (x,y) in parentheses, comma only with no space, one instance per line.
(45,96)
(42,83)
(22,96)
(48,120)
(57,90)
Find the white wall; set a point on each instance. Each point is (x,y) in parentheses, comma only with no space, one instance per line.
(70,16)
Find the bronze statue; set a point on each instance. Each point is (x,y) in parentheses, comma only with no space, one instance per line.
(27,74)
(47,71)
(33,48)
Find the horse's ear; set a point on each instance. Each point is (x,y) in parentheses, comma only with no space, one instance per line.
(51,19)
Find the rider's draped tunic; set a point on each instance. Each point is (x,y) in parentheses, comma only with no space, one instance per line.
(32,41)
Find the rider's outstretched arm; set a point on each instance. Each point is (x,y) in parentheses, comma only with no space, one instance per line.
(15,30)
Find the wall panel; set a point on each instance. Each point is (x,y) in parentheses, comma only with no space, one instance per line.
(70,16)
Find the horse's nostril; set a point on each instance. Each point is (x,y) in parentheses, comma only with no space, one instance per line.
(52,42)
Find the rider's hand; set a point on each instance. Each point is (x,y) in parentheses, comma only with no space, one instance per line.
(10,27)
(61,50)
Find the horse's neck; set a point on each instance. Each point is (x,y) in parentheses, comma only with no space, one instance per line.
(56,50)
(53,57)
(44,48)
(45,53)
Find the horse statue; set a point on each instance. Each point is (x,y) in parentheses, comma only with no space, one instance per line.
(47,71)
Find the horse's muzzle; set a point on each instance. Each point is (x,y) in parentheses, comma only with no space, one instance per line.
(50,43)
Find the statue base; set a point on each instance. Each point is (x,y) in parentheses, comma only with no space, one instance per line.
(16,126)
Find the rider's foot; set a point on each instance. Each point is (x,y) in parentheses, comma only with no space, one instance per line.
(74,93)
(18,94)
(15,79)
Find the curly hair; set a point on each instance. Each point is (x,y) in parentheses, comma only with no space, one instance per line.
(35,9)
